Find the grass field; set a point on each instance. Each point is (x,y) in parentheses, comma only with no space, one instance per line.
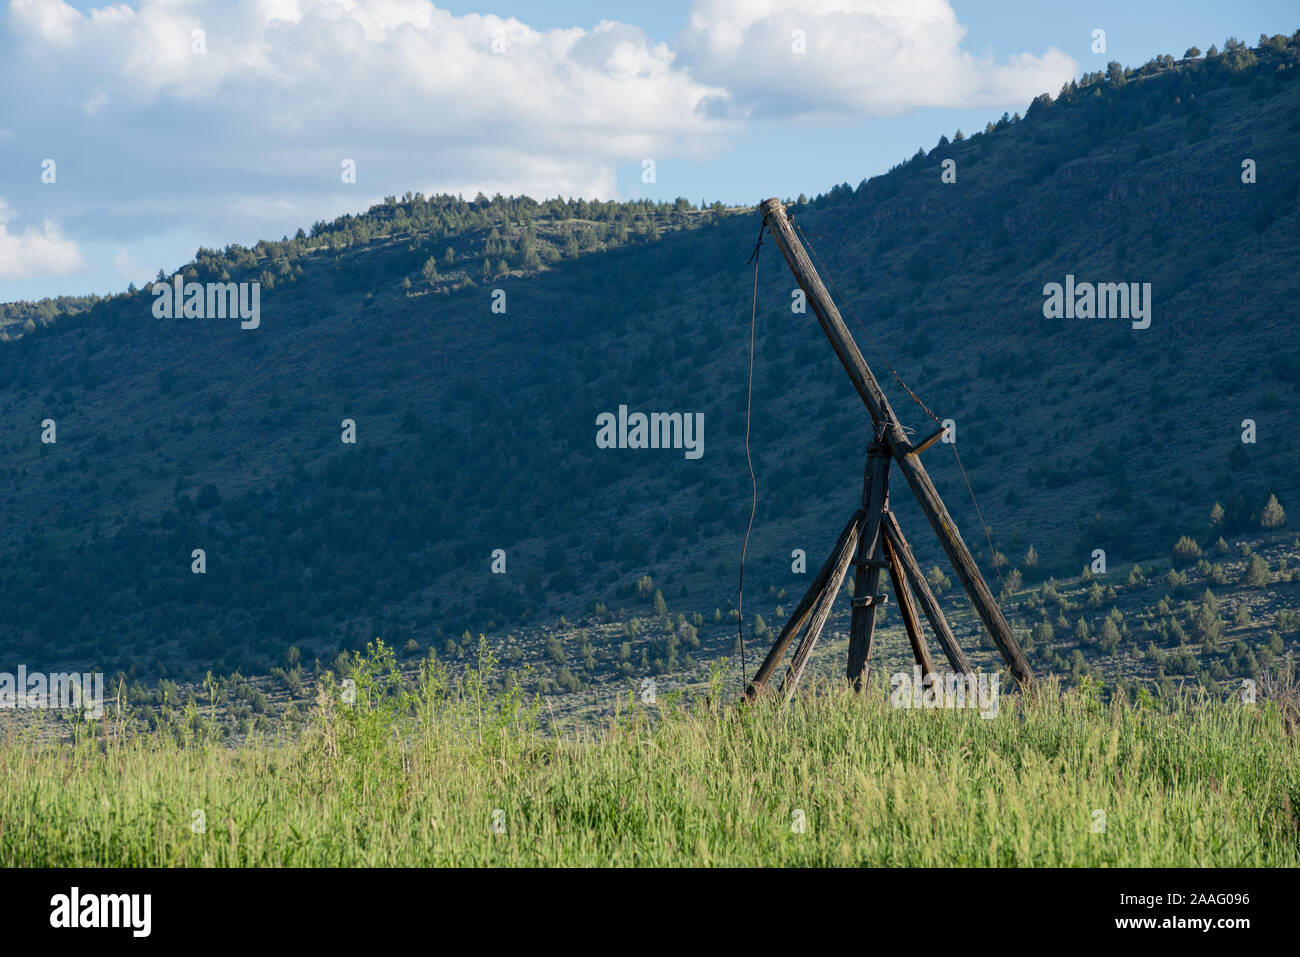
(459,772)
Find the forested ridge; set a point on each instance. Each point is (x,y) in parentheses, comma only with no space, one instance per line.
(475,429)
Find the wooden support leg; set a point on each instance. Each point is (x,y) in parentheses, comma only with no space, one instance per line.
(848,538)
(908,610)
(866,586)
(968,573)
(929,604)
(825,603)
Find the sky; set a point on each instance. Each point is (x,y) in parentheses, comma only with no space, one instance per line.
(131,133)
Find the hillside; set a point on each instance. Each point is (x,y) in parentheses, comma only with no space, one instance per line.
(476,429)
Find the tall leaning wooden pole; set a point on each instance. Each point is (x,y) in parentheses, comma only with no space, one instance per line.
(895,440)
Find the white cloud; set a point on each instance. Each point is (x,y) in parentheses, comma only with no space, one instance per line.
(94,103)
(860,58)
(52,20)
(477,98)
(245,140)
(350,75)
(43,252)
(129,269)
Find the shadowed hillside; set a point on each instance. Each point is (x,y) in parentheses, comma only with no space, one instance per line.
(476,428)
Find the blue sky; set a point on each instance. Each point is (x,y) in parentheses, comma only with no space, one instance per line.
(164,139)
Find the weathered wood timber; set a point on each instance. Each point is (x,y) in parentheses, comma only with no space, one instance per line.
(895,439)
(825,603)
(804,609)
(862,623)
(921,588)
(926,443)
(898,578)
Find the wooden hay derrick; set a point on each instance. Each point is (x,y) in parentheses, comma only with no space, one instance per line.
(872,542)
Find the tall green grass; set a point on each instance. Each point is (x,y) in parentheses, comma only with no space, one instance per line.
(413,776)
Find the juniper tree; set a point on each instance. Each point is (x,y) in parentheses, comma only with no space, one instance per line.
(1186,550)
(1207,625)
(1108,637)
(939,582)
(1257,573)
(1272,516)
(1043,632)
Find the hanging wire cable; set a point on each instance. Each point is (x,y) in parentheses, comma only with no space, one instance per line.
(753,507)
